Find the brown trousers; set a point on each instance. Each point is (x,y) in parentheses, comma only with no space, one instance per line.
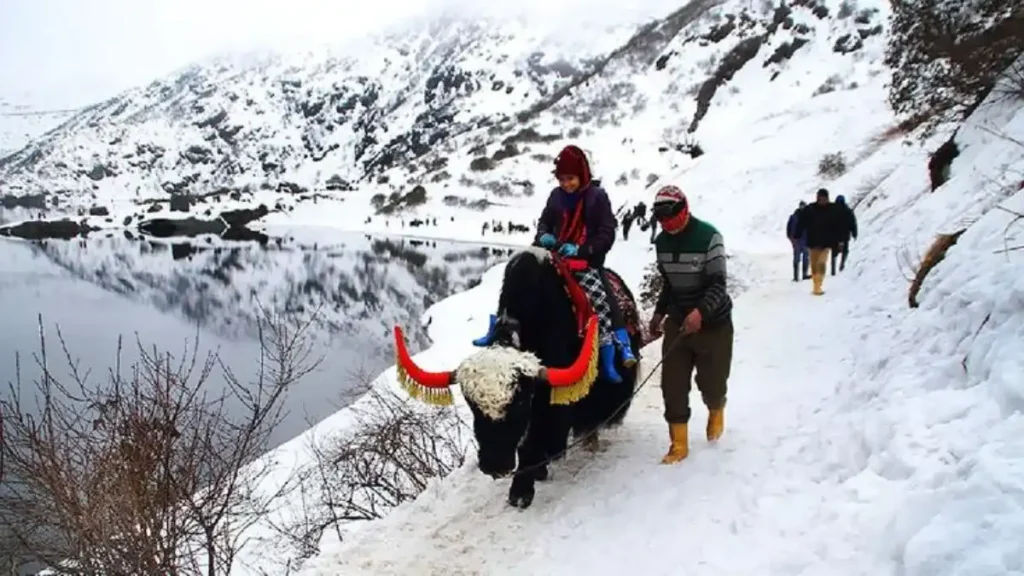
(709,352)
(819,265)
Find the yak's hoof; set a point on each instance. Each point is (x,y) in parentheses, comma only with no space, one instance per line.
(520,493)
(521,501)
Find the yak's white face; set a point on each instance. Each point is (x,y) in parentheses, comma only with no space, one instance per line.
(488,378)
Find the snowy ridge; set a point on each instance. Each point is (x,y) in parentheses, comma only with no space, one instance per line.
(459,119)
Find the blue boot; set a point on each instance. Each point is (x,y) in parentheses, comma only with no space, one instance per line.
(622,339)
(606,363)
(487,339)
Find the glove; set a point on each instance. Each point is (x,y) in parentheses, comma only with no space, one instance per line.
(548,240)
(568,250)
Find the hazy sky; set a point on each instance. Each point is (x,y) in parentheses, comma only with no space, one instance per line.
(72,52)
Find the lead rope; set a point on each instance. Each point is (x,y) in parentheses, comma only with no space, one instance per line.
(583,438)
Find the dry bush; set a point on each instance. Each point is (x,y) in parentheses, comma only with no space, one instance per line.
(387,457)
(909,262)
(1012,83)
(935,254)
(156,471)
(832,165)
(893,132)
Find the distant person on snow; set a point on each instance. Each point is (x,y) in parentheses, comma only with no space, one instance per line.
(801,260)
(694,312)
(579,223)
(819,223)
(846,223)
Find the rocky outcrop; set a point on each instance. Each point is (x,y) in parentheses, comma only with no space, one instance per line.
(41,229)
(229,225)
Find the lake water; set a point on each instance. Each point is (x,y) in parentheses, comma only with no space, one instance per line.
(167,293)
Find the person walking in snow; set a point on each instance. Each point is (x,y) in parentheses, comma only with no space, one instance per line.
(694,313)
(819,224)
(579,223)
(846,229)
(801,260)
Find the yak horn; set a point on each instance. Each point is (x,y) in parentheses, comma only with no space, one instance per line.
(429,387)
(570,385)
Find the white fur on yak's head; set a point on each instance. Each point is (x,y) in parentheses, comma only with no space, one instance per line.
(498,383)
(490,377)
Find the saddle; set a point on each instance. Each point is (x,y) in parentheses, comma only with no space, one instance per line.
(582,306)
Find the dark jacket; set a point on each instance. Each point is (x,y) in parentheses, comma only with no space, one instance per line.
(793,227)
(596,233)
(846,225)
(820,224)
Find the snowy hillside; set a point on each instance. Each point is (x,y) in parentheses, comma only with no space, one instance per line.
(453,119)
(863,436)
(20,123)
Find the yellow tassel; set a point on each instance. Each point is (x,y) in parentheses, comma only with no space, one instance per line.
(565,395)
(431,396)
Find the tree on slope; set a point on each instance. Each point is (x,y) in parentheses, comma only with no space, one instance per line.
(947,54)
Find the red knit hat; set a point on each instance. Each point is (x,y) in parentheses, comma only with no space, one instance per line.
(571,161)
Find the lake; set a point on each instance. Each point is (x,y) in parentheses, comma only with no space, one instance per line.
(168,293)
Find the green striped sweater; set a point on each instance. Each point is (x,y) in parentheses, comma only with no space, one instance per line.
(692,266)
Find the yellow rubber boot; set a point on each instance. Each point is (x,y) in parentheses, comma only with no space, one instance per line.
(680,447)
(716,424)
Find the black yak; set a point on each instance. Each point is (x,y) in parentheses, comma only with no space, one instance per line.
(538,381)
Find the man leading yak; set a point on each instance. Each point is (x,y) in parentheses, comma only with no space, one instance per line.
(579,223)
(694,311)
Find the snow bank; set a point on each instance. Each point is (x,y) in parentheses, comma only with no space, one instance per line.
(932,413)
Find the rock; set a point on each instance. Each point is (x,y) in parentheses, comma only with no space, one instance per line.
(180,202)
(168,227)
(99,211)
(241,218)
(154,208)
(41,229)
(34,201)
(230,225)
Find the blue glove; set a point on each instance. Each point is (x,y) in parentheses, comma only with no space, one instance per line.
(548,240)
(568,250)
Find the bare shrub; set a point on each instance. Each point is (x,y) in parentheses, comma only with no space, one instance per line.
(868,185)
(1012,83)
(832,165)
(388,456)
(831,84)
(153,472)
(891,133)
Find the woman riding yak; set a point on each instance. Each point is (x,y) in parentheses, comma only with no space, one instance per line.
(579,224)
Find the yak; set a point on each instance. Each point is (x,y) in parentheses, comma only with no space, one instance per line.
(537,383)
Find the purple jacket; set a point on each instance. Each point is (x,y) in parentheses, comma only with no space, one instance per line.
(598,218)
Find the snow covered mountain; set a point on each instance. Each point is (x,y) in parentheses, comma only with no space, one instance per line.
(460,114)
(21,123)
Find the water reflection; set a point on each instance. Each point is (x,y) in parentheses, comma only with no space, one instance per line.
(115,284)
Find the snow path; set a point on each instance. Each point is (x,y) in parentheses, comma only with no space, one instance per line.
(761,485)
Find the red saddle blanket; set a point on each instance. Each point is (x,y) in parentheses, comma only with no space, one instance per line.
(581,302)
